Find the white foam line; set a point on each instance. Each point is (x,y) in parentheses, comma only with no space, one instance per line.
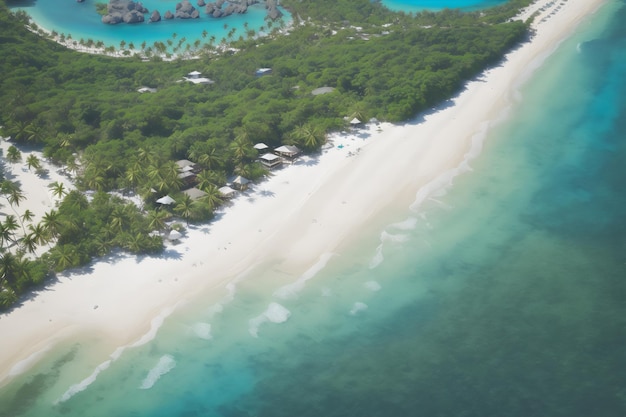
(292,290)
(155,325)
(25,364)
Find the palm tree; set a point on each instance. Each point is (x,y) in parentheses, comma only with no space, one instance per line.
(27,216)
(71,165)
(58,189)
(134,173)
(65,256)
(12,192)
(39,234)
(213,197)
(18,130)
(6,235)
(28,242)
(204,34)
(185,207)
(156,219)
(211,159)
(309,136)
(8,268)
(35,132)
(13,154)
(10,224)
(102,245)
(52,224)
(241,147)
(33,162)
(117,219)
(205,179)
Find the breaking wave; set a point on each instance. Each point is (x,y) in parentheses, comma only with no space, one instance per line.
(291,290)
(165,365)
(275,313)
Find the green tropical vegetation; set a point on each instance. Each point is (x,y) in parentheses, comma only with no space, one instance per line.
(84,112)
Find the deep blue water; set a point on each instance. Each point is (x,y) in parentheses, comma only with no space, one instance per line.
(503,296)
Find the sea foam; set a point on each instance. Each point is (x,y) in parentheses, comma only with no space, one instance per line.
(202,330)
(292,290)
(372,286)
(275,313)
(82,385)
(378,257)
(25,364)
(357,308)
(165,365)
(155,324)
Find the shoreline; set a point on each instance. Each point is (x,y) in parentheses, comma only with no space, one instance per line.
(112,51)
(293,218)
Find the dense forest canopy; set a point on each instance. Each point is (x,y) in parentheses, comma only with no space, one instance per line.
(84,111)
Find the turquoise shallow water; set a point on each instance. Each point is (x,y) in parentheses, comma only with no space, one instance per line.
(81,21)
(502,296)
(417,5)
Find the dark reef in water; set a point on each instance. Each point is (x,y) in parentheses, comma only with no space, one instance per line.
(128,11)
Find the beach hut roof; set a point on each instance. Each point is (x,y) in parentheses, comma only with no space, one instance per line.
(174,235)
(355,121)
(322,90)
(194,73)
(195,193)
(183,163)
(288,149)
(269,157)
(260,146)
(239,180)
(226,191)
(263,71)
(166,200)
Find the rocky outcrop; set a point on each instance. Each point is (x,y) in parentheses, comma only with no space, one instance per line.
(215,9)
(126,11)
(184,10)
(156,16)
(134,16)
(169,15)
(272,10)
(201,3)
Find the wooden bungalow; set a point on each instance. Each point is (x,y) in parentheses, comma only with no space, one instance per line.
(240,183)
(288,153)
(227,192)
(269,160)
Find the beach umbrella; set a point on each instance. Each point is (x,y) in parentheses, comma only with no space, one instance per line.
(166,200)
(174,235)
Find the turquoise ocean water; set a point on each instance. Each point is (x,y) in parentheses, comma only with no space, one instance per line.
(417,5)
(504,295)
(81,21)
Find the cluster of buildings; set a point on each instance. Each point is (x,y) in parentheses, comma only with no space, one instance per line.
(188,170)
(286,154)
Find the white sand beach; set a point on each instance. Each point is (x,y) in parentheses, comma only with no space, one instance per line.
(300,213)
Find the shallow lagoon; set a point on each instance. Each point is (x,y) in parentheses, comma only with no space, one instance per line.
(82,22)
